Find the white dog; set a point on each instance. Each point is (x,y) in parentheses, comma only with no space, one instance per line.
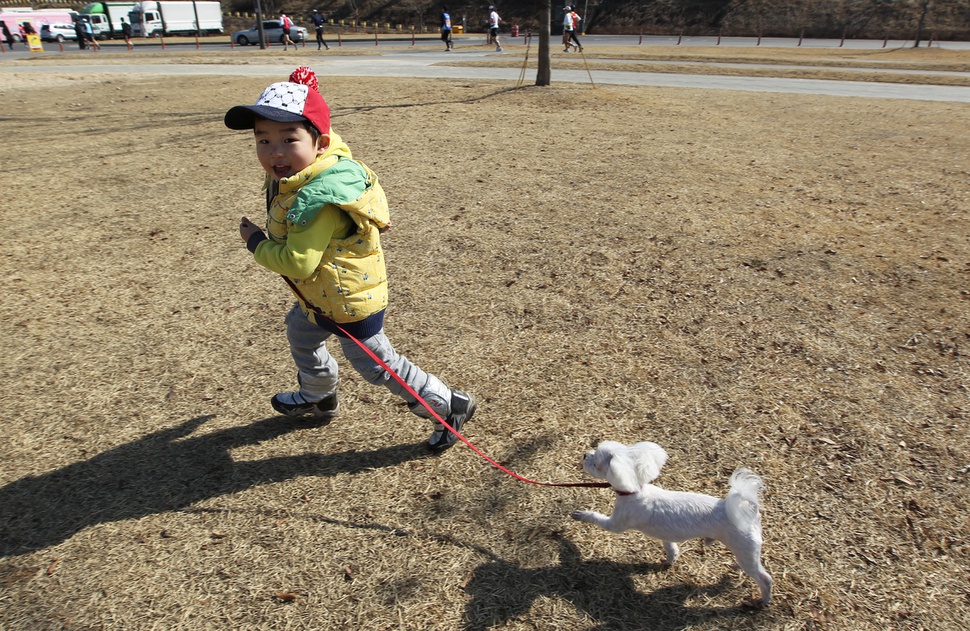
(674,516)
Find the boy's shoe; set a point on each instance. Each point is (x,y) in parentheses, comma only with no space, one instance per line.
(462,408)
(498,49)
(293,404)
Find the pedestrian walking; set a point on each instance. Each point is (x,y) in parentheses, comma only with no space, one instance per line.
(89,36)
(570,22)
(287,24)
(79,32)
(7,37)
(318,24)
(446,29)
(126,31)
(494,19)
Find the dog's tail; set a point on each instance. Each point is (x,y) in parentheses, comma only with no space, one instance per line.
(742,501)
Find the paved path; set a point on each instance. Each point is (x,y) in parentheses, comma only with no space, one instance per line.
(420,64)
(423,63)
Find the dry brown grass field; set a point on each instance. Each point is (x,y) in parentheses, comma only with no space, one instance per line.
(775,281)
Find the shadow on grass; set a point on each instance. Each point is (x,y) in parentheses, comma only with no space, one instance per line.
(164,471)
(503,592)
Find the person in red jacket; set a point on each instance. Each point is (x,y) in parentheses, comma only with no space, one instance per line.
(570,24)
(287,24)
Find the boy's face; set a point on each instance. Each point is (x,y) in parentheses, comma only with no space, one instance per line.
(285,149)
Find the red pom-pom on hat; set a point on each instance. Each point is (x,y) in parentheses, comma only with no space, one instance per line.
(315,109)
(305,76)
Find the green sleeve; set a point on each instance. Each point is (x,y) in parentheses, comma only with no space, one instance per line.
(299,257)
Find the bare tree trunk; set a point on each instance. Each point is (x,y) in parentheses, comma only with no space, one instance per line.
(544,74)
(259,25)
(922,22)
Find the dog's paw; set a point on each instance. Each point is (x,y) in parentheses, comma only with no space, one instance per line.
(754,604)
(581,515)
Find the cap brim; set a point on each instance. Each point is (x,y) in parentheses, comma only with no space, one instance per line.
(244,116)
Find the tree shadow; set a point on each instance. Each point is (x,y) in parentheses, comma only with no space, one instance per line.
(358,109)
(164,471)
(502,592)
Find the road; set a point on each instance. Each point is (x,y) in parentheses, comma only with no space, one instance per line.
(423,59)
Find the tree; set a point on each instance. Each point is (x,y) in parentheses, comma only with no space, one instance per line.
(259,25)
(924,7)
(544,73)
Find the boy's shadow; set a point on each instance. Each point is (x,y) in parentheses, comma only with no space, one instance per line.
(502,592)
(164,471)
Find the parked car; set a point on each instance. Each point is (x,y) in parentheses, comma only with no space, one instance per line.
(272,30)
(57,32)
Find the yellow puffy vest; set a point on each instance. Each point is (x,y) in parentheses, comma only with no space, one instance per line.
(350,283)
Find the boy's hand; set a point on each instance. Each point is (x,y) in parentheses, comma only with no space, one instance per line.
(247,229)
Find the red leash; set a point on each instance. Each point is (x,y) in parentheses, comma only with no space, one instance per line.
(452,429)
(434,414)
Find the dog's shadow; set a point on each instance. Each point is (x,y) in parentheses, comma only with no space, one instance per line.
(605,591)
(164,471)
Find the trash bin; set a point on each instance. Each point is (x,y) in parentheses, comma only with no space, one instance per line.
(515,30)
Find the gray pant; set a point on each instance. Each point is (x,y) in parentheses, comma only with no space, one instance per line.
(318,372)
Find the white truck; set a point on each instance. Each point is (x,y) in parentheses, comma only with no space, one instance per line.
(105,17)
(152,19)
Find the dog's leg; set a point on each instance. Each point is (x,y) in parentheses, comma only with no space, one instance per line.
(764,583)
(673,551)
(599,519)
(748,556)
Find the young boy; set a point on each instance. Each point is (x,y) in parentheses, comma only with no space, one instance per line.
(323,235)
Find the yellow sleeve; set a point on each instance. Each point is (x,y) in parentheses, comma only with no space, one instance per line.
(299,257)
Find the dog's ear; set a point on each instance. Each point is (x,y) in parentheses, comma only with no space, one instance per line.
(649,459)
(622,473)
